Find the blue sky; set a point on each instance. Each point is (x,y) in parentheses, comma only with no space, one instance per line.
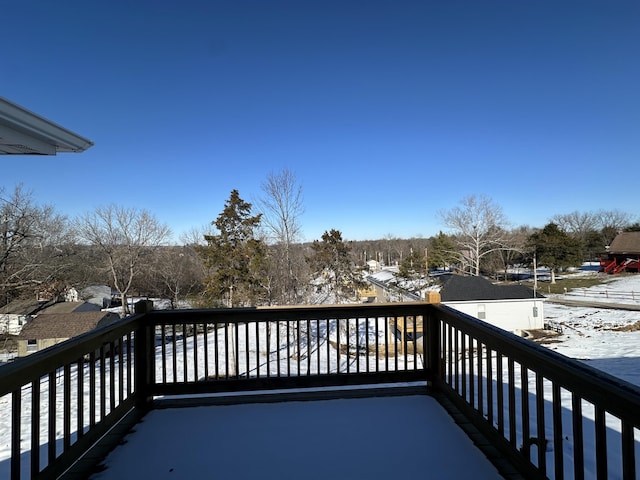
(387,112)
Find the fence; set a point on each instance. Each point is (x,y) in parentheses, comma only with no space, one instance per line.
(537,407)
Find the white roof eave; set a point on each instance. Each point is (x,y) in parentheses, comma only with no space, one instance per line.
(23,132)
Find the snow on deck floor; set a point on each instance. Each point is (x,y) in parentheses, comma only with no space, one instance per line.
(383,437)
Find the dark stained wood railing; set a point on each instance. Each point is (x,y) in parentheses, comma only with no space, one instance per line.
(553,416)
(549,415)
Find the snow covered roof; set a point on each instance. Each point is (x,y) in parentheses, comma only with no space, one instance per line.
(23,132)
(461,288)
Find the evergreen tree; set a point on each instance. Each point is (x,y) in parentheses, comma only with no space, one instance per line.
(235,257)
(332,267)
(555,248)
(413,265)
(443,251)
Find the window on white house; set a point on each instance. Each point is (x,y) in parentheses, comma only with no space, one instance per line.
(32,345)
(482,314)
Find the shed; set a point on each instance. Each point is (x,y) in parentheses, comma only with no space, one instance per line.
(48,329)
(510,307)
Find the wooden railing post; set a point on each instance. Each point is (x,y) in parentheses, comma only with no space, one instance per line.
(144,348)
(434,355)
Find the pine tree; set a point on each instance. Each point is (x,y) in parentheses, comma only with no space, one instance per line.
(555,248)
(332,266)
(443,251)
(235,257)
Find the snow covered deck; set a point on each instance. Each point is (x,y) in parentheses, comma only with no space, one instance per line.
(383,437)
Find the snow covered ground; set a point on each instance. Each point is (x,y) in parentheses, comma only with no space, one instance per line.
(603,338)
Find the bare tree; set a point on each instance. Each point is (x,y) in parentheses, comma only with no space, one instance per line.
(281,207)
(35,244)
(479,227)
(612,222)
(577,224)
(125,236)
(179,270)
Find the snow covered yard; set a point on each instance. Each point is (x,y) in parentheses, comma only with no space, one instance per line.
(605,339)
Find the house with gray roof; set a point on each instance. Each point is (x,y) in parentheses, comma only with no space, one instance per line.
(48,329)
(510,307)
(14,315)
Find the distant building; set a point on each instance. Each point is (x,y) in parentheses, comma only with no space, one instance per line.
(47,330)
(623,255)
(16,314)
(510,307)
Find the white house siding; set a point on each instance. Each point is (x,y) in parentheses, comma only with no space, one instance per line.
(11,324)
(510,315)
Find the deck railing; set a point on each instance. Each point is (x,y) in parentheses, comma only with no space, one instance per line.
(551,416)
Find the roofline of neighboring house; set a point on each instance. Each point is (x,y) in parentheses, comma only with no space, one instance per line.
(496,300)
(23,132)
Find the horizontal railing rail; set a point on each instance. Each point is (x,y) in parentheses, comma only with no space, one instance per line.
(250,349)
(549,415)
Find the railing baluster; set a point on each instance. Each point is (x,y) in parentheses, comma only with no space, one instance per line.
(103,383)
(163,351)
(578,443)
(216,353)
(174,354)
(526,417)
(35,427)
(258,362)
(500,392)
(185,360)
(480,378)
(226,351)
(558,457)
(205,340)
(463,362)
(66,408)
(318,349)
(16,414)
(472,376)
(511,391)
(540,417)
(92,389)
(80,396)
(628,451)
(196,370)
(601,444)
(112,376)
(288,348)
(247,367)
(51,419)
(489,364)
(120,371)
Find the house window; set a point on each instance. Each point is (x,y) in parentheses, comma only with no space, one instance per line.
(32,345)
(482,314)
(535,312)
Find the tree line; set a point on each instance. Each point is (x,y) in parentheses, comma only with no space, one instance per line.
(254,254)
